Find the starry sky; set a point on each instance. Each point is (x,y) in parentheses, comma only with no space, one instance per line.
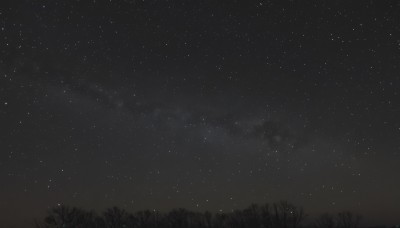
(206,105)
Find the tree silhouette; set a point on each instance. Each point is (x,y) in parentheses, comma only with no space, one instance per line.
(115,218)
(280,215)
(287,215)
(65,217)
(346,219)
(325,221)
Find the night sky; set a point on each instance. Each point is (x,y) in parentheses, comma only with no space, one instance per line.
(206,105)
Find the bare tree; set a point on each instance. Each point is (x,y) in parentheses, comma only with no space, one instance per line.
(325,221)
(59,217)
(208,219)
(287,215)
(115,218)
(266,221)
(346,219)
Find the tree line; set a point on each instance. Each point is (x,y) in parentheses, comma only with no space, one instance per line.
(277,215)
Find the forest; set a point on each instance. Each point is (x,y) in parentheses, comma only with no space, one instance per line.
(281,214)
